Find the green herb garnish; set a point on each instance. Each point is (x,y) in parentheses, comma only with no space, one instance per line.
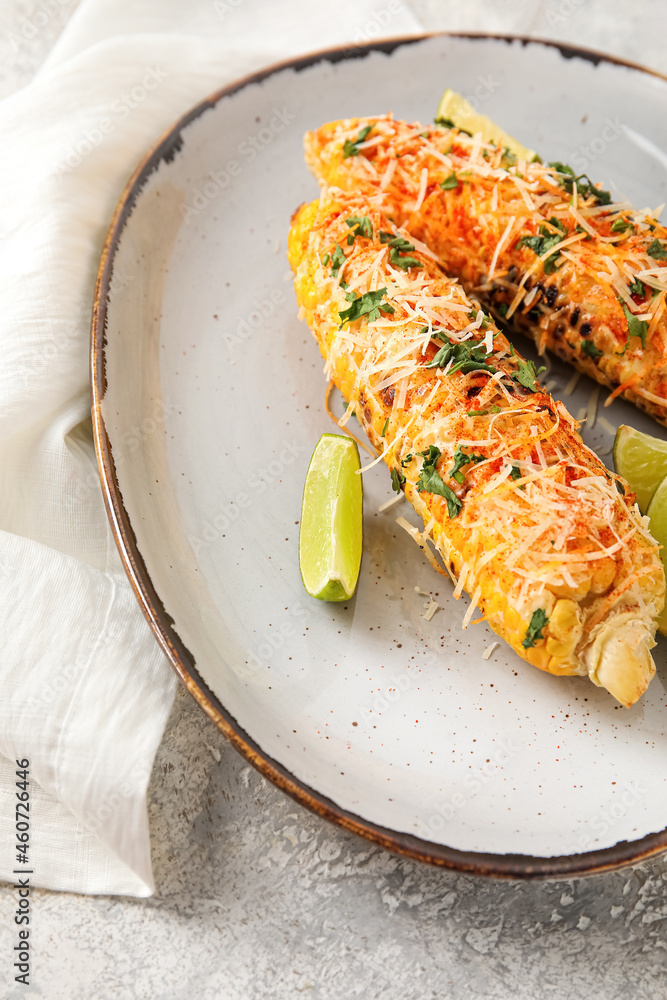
(397,480)
(657,250)
(477,413)
(544,242)
(637,287)
(403,262)
(406,461)
(450,182)
(397,241)
(461,459)
(636,328)
(467,356)
(622,225)
(516,472)
(538,621)
(448,123)
(352,148)
(361,226)
(589,348)
(502,309)
(369,304)
(430,481)
(384,429)
(527,375)
(585,186)
(337,260)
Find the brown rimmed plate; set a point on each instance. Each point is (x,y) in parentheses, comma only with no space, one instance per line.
(207,402)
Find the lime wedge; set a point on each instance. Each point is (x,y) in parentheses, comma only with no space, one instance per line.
(657,512)
(330,535)
(454,108)
(642,460)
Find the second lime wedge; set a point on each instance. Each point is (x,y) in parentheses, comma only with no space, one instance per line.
(657,512)
(330,536)
(642,460)
(456,109)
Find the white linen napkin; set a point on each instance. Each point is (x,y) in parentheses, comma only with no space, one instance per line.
(85,691)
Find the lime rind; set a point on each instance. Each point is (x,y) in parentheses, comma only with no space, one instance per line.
(458,110)
(642,460)
(657,512)
(330,535)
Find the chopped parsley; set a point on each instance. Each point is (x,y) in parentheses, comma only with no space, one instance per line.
(406,461)
(527,375)
(508,156)
(636,328)
(397,480)
(461,459)
(516,472)
(657,250)
(399,245)
(622,225)
(589,348)
(448,123)
(384,429)
(430,481)
(544,242)
(404,262)
(467,356)
(637,287)
(369,304)
(538,621)
(450,182)
(502,309)
(351,148)
(585,186)
(397,241)
(473,315)
(337,260)
(495,409)
(360,225)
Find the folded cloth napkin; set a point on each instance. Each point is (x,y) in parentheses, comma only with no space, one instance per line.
(85,691)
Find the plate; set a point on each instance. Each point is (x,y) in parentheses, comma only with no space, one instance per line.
(207,402)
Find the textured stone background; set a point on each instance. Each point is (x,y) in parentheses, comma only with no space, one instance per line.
(258,899)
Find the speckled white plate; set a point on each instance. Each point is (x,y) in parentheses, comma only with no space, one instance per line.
(208,400)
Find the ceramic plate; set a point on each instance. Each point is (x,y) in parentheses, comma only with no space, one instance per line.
(208,401)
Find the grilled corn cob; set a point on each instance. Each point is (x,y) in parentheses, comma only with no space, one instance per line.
(528,520)
(535,244)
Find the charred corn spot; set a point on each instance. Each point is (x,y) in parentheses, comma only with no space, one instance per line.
(490,232)
(518,550)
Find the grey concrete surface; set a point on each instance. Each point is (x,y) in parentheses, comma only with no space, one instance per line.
(258,899)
